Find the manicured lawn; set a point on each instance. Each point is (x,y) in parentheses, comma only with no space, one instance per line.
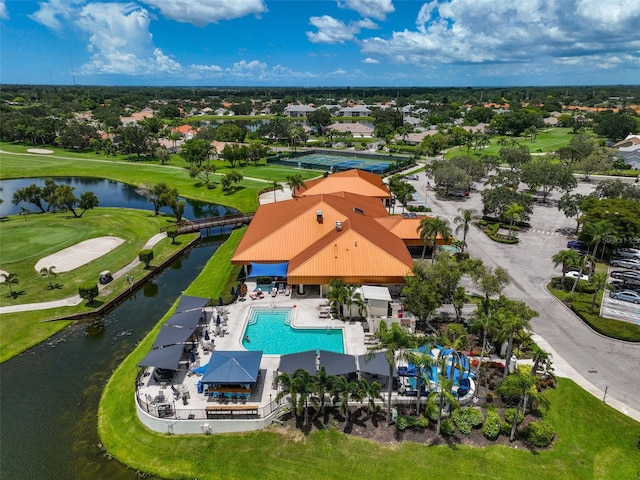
(593,440)
(23,241)
(546,140)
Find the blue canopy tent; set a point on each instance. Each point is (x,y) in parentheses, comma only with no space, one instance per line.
(188,319)
(170,335)
(167,357)
(269,269)
(233,368)
(188,302)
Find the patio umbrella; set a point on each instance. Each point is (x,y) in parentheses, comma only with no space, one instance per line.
(233,293)
(218,320)
(206,335)
(220,301)
(192,358)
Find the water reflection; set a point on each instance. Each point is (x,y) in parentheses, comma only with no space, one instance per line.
(50,394)
(109,193)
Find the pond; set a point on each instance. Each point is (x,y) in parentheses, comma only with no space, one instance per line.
(109,193)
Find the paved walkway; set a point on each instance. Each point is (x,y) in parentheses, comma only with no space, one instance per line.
(76,299)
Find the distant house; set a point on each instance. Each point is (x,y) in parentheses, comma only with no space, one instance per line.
(629,150)
(416,137)
(356,111)
(357,129)
(298,110)
(186,132)
(137,116)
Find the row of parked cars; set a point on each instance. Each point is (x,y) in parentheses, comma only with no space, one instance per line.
(625,283)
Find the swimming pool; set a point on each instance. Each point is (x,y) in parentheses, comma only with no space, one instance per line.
(271,331)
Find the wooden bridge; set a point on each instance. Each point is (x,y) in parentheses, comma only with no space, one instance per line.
(206,223)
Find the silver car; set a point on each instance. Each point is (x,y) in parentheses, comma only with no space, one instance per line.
(626,263)
(626,295)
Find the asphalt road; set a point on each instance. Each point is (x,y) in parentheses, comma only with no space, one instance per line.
(607,364)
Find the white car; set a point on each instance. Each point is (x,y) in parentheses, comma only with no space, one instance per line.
(574,274)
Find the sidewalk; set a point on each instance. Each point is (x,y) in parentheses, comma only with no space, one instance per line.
(76,299)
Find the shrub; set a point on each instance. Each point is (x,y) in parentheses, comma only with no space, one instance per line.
(263,280)
(88,291)
(404,422)
(447,427)
(491,428)
(508,416)
(540,434)
(467,418)
(146,256)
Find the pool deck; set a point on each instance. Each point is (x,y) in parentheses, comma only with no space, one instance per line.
(307,315)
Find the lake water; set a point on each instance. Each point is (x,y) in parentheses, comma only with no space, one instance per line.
(109,193)
(50,394)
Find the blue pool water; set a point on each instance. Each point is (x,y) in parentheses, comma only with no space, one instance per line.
(271,332)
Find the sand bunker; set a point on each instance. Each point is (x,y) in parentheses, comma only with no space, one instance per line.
(43,151)
(80,254)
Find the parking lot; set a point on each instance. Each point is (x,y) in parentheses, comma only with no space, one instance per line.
(594,357)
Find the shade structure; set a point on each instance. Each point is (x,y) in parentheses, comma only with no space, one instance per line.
(376,365)
(233,368)
(337,363)
(188,319)
(293,361)
(187,303)
(269,269)
(167,357)
(170,335)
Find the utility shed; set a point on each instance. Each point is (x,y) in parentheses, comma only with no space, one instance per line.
(377,299)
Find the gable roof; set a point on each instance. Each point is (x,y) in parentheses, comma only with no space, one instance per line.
(353,181)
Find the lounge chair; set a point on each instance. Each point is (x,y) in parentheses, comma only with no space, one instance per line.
(252,295)
(274,291)
(287,291)
(281,289)
(259,293)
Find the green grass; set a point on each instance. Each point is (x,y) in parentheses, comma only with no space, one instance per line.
(580,303)
(547,140)
(23,242)
(593,440)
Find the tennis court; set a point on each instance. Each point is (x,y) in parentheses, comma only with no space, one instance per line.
(322,161)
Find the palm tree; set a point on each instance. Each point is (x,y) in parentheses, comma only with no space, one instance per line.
(390,340)
(585,260)
(344,389)
(48,272)
(568,258)
(422,361)
(599,280)
(443,397)
(467,215)
(295,182)
(337,295)
(513,213)
(372,393)
(322,383)
(429,230)
(275,186)
(511,317)
(538,355)
(483,322)
(524,387)
(10,279)
(599,232)
(299,387)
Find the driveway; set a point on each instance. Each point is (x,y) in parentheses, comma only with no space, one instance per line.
(607,364)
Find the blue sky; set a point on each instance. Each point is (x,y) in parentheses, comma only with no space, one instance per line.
(320,43)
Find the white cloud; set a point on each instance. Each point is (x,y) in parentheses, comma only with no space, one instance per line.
(54,12)
(3,10)
(203,12)
(118,36)
(450,32)
(206,68)
(370,60)
(377,9)
(332,30)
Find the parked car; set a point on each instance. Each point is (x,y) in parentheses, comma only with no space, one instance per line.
(625,274)
(575,274)
(411,177)
(577,245)
(626,295)
(626,263)
(458,193)
(627,253)
(619,285)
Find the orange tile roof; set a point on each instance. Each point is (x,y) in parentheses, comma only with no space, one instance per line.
(354,181)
